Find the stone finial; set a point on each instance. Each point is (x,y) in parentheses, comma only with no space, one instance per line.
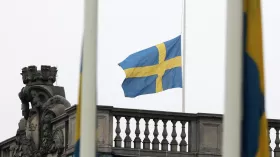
(32,76)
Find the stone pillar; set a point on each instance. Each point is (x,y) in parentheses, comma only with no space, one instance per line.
(205,134)
(104,129)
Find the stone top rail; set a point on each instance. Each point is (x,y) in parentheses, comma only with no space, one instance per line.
(161,114)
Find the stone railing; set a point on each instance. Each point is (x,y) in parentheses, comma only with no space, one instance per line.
(180,134)
(274,127)
(131,132)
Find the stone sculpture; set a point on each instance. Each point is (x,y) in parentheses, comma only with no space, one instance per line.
(35,136)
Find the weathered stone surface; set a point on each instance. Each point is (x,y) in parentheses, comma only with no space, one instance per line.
(32,129)
(45,76)
(36,136)
(23,147)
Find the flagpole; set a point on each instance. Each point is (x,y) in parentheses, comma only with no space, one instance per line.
(233,91)
(184,57)
(89,96)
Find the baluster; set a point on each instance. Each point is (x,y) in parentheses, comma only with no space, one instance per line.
(270,149)
(127,139)
(164,142)
(137,140)
(183,143)
(118,139)
(277,142)
(155,141)
(174,143)
(146,141)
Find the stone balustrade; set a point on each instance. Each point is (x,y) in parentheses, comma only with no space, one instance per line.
(131,132)
(189,134)
(274,126)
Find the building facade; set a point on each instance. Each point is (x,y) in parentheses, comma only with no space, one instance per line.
(47,129)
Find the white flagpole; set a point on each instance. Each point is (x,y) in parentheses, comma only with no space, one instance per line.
(233,91)
(183,41)
(89,96)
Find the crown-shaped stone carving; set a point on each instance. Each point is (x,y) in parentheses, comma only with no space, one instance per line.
(45,76)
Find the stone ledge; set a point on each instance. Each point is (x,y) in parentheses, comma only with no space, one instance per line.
(7,142)
(150,153)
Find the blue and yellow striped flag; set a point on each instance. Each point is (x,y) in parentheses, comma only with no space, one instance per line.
(78,114)
(154,69)
(255,141)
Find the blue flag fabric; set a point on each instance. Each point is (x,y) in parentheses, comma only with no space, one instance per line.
(78,114)
(255,140)
(154,69)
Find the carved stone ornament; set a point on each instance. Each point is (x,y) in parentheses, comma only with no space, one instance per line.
(35,136)
(23,147)
(32,76)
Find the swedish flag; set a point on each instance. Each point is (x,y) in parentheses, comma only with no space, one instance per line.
(154,69)
(78,115)
(254,125)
